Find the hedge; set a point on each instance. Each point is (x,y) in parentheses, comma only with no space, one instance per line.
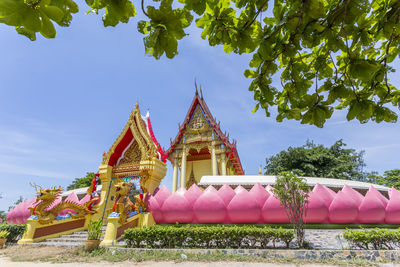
(373,239)
(206,237)
(15,231)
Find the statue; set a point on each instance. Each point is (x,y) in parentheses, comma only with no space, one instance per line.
(44,199)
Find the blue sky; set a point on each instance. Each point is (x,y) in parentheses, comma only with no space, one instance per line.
(64,101)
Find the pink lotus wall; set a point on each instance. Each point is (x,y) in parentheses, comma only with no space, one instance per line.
(20,213)
(260,206)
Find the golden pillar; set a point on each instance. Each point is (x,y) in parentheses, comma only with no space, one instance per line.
(183,167)
(175,176)
(213,159)
(223,163)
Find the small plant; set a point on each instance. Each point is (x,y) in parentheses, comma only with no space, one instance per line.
(4,234)
(94,229)
(292,192)
(15,231)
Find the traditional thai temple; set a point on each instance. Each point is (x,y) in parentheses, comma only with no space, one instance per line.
(201,148)
(202,156)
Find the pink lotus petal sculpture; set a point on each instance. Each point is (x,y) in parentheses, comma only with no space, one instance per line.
(10,216)
(209,208)
(72,198)
(317,211)
(181,191)
(154,208)
(239,189)
(27,212)
(226,193)
(243,208)
(371,209)
(210,187)
(176,208)
(343,209)
(325,193)
(377,194)
(273,212)
(162,195)
(192,194)
(260,194)
(392,214)
(85,199)
(269,189)
(356,196)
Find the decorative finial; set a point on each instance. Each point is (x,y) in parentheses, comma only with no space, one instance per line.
(137,104)
(195,85)
(259,171)
(201,93)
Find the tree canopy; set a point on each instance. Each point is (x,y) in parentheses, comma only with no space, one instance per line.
(82,182)
(389,178)
(318,161)
(330,54)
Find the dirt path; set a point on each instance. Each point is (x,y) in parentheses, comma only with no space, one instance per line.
(4,262)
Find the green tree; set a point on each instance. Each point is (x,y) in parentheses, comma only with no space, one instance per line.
(330,54)
(292,193)
(82,182)
(390,178)
(318,161)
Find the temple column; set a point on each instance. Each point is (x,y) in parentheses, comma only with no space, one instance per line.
(223,163)
(175,176)
(183,167)
(213,159)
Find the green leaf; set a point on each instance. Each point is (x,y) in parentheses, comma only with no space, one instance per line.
(53,13)
(28,33)
(48,29)
(363,70)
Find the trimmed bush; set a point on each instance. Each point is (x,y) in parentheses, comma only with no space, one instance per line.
(15,231)
(373,239)
(213,236)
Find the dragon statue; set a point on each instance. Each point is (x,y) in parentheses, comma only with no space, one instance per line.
(122,204)
(46,197)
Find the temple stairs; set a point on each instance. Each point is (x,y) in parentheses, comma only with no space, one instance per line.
(72,240)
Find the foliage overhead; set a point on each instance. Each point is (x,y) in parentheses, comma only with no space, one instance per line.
(389,178)
(330,54)
(313,160)
(292,193)
(82,182)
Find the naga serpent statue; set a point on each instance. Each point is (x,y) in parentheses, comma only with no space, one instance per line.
(46,197)
(122,204)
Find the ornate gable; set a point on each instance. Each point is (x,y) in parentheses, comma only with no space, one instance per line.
(133,144)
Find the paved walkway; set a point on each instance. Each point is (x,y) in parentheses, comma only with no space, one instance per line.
(325,239)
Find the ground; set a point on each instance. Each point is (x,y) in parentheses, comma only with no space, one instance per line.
(33,256)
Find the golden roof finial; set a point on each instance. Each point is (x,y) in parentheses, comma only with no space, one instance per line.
(259,171)
(201,93)
(195,85)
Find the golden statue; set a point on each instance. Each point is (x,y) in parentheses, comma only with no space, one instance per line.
(44,199)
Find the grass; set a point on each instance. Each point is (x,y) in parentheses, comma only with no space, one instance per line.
(69,255)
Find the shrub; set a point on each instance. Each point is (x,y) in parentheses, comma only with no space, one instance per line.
(15,231)
(94,229)
(213,236)
(373,239)
(4,234)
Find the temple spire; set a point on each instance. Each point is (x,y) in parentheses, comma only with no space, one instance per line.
(195,85)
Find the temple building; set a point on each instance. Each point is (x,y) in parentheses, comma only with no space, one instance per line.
(201,148)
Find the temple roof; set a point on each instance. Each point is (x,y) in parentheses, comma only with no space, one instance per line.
(199,101)
(137,128)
